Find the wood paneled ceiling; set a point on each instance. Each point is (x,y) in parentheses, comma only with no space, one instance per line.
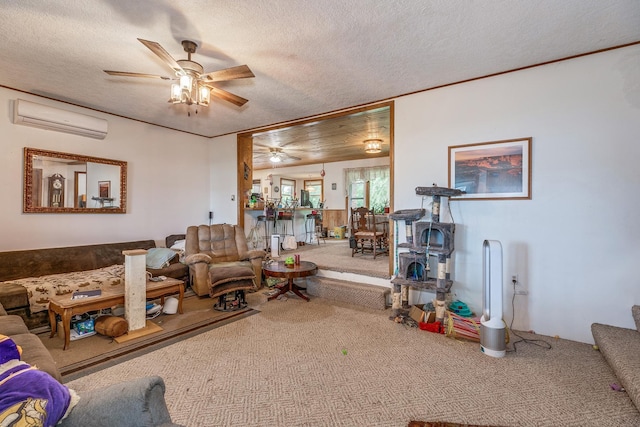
(324,141)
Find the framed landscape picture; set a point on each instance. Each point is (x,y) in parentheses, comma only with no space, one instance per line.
(492,170)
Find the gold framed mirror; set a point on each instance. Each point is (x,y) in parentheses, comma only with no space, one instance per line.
(56,182)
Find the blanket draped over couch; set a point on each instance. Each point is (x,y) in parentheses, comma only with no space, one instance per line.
(39,289)
(77,261)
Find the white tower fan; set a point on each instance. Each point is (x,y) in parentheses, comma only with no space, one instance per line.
(492,327)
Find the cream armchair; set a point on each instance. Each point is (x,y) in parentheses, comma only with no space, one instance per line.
(220,261)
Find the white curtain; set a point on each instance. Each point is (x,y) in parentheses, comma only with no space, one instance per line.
(363,175)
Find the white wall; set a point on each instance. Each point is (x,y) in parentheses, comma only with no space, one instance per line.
(575,244)
(223,161)
(168,181)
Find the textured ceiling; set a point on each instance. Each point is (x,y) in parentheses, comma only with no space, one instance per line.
(309,57)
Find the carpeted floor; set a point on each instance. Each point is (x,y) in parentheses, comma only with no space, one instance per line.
(335,255)
(440,424)
(322,363)
(96,352)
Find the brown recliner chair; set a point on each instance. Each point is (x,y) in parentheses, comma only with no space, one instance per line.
(220,261)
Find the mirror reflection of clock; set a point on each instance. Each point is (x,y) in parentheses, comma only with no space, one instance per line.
(276,189)
(56,191)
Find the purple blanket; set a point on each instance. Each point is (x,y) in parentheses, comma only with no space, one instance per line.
(29,396)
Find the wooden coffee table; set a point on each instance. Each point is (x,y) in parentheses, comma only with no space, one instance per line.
(278,269)
(67,307)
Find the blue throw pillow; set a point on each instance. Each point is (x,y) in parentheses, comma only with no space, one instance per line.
(159,257)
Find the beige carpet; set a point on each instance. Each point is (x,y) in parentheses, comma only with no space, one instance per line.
(335,255)
(95,352)
(320,363)
(440,424)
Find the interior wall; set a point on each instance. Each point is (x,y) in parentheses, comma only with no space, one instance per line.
(334,174)
(575,243)
(224,169)
(162,164)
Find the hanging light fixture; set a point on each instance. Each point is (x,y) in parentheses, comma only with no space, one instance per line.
(204,95)
(275,158)
(373,145)
(190,89)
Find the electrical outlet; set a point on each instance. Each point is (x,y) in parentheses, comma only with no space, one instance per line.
(514,279)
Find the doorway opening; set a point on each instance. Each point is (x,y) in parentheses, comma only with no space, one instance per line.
(320,149)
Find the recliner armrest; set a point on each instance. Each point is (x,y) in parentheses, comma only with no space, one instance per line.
(196,258)
(134,403)
(256,254)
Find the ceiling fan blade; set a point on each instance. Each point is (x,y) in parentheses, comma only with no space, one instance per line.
(257,144)
(228,96)
(127,74)
(239,72)
(289,156)
(164,55)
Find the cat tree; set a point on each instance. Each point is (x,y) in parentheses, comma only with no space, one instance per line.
(424,239)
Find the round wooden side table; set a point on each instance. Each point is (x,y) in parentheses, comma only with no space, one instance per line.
(279,269)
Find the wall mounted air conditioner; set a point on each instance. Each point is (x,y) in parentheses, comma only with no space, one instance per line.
(44,117)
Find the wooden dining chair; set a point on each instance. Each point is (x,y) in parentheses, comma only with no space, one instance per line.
(367,235)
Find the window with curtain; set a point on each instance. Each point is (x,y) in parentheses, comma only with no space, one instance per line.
(358,194)
(377,196)
(287,191)
(315,189)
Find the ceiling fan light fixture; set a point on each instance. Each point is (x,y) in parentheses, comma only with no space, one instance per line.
(186,82)
(372,146)
(176,93)
(192,82)
(275,158)
(189,92)
(204,95)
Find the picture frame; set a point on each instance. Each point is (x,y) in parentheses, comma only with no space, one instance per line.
(104,189)
(247,171)
(491,170)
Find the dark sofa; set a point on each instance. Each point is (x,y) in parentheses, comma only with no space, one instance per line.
(41,262)
(139,402)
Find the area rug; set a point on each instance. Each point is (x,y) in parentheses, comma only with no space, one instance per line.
(93,353)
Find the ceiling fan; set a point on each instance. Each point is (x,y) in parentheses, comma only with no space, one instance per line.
(194,85)
(276,154)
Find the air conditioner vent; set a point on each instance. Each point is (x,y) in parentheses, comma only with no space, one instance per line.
(44,117)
